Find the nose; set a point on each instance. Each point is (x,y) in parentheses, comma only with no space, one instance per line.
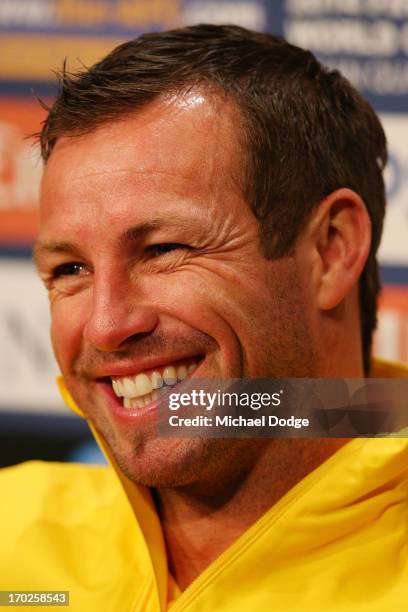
(118,312)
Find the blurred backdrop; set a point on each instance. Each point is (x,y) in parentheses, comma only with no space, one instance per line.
(366,39)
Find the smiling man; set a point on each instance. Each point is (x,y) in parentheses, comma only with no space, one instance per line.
(211,207)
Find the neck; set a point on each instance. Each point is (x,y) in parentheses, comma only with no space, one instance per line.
(200,521)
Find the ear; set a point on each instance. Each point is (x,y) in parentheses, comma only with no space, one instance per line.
(340,235)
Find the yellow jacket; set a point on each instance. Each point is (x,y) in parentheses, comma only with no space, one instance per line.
(336,542)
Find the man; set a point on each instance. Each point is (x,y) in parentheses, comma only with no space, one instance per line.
(211,206)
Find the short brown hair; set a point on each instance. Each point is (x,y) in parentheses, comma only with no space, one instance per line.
(306,130)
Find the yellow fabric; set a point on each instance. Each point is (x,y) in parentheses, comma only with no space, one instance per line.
(336,542)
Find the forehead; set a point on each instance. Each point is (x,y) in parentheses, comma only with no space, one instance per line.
(182,145)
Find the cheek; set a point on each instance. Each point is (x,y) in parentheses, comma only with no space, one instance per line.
(215,300)
(257,312)
(227,310)
(198,299)
(66,331)
(196,303)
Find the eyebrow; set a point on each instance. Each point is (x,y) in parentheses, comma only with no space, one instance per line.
(41,247)
(136,232)
(131,234)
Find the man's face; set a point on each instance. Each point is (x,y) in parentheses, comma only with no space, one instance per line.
(153,261)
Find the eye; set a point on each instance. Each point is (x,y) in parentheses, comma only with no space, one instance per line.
(68,269)
(68,278)
(166,247)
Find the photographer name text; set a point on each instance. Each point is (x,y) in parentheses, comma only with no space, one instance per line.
(239,421)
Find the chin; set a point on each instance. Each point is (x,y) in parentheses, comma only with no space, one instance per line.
(162,462)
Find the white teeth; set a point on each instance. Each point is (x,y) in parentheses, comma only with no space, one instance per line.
(133,403)
(130,387)
(140,402)
(182,372)
(169,375)
(118,388)
(142,389)
(157,380)
(143,385)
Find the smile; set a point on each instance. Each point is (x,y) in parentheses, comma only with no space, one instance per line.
(146,387)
